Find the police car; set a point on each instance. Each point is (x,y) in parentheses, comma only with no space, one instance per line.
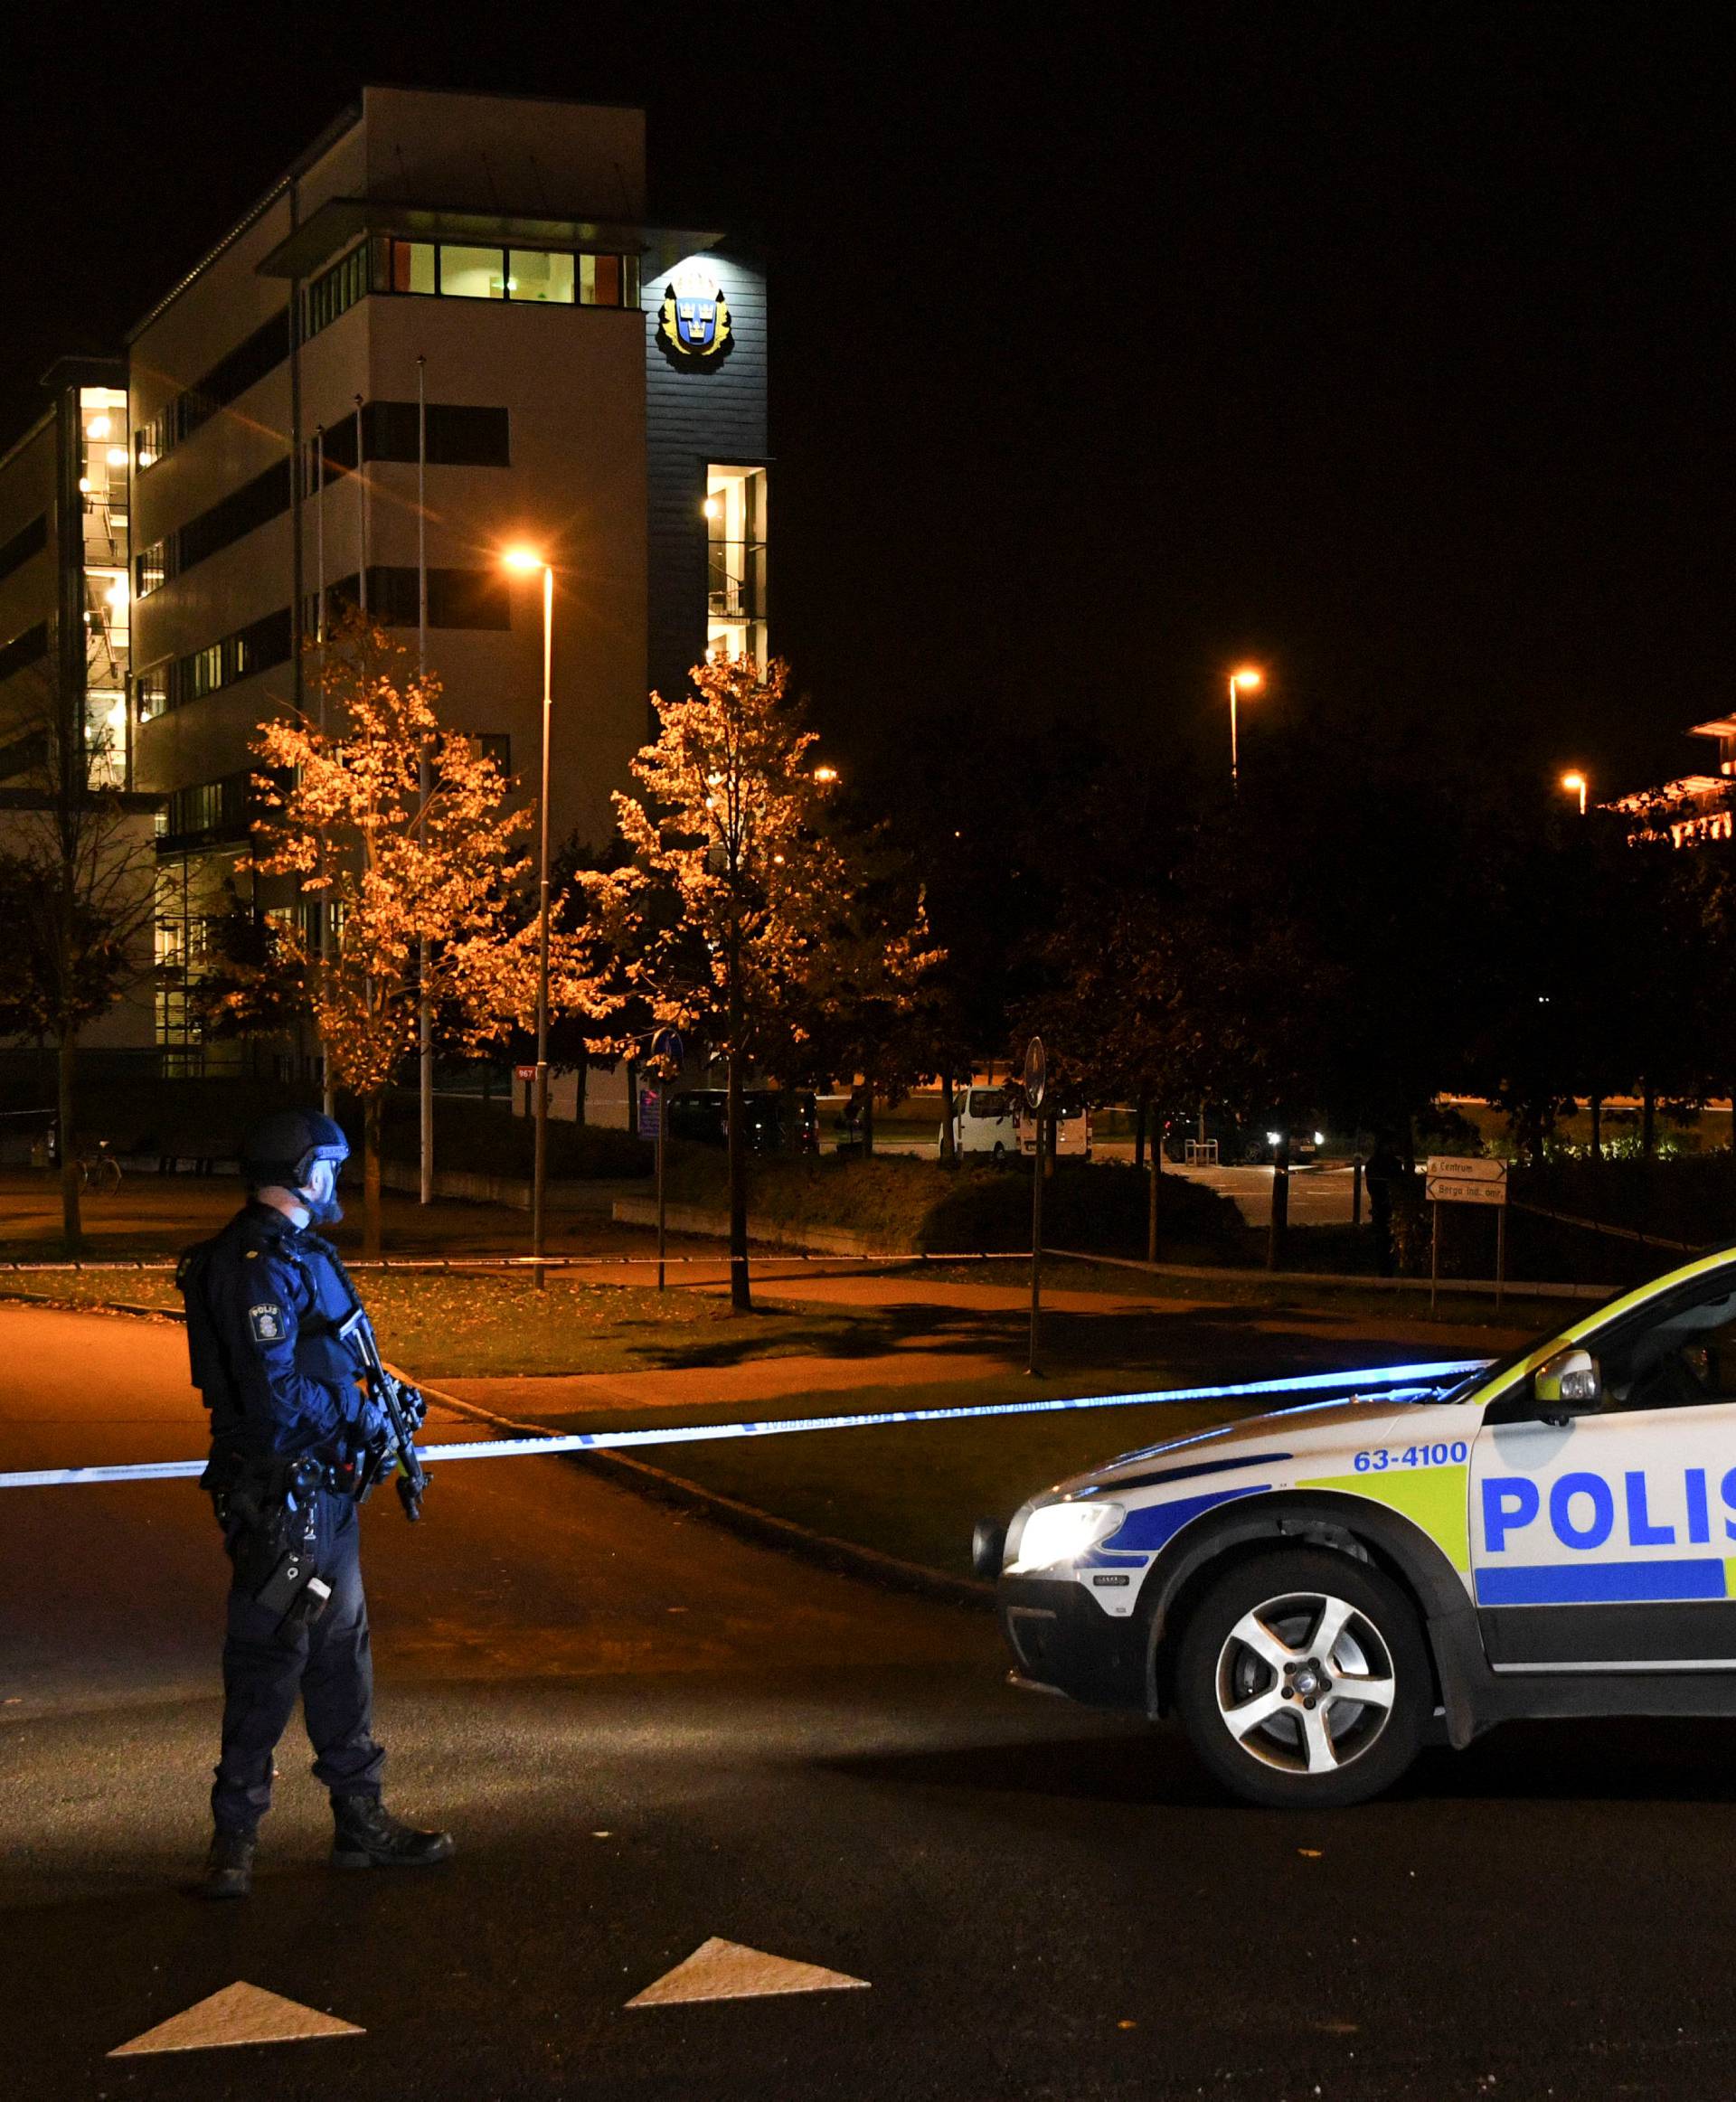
(1315,1593)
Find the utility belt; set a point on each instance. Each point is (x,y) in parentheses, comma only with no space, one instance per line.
(267,1506)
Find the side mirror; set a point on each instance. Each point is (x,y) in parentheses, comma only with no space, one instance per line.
(1568,1384)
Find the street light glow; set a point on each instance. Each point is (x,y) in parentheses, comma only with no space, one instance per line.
(825,773)
(1575,784)
(1248,679)
(526,559)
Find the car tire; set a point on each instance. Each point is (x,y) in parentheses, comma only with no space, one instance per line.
(1280,1725)
(1000,1151)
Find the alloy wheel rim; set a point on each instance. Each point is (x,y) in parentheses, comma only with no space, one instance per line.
(1306,1683)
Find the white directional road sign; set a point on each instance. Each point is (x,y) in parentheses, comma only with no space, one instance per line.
(1465,1179)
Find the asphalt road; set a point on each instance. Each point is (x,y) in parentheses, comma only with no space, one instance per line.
(646,1732)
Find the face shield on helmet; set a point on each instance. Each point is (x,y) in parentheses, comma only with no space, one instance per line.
(319,1193)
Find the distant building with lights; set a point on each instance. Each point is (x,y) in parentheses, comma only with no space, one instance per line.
(460,292)
(1695,808)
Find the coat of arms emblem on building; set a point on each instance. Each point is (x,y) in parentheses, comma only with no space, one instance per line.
(694,324)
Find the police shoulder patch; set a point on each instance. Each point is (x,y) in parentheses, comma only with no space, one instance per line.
(266,1321)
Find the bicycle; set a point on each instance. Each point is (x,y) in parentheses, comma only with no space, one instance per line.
(99,1170)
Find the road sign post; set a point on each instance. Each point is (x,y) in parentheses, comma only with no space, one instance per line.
(1467,1179)
(1037,1085)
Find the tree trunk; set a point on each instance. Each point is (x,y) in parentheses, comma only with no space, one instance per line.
(1648,1121)
(1280,1205)
(373,1110)
(1155,1179)
(71,1222)
(867,1119)
(1596,1129)
(741,1288)
(1139,1130)
(949,1150)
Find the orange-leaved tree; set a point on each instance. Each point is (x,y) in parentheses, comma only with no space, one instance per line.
(422,883)
(735,912)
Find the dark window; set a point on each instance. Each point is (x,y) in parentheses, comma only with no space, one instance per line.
(260,647)
(25,755)
(225,809)
(24,649)
(254,503)
(231,377)
(228,380)
(334,292)
(497,746)
(459,436)
(455,598)
(151,691)
(30,539)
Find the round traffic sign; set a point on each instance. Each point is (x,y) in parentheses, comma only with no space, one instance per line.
(1036,1072)
(667,1048)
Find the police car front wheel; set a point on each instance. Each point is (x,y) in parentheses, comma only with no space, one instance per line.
(1302,1678)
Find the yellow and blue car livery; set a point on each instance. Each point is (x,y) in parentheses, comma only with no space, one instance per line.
(1561,1522)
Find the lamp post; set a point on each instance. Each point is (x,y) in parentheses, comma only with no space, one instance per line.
(1246,680)
(1575,784)
(527,560)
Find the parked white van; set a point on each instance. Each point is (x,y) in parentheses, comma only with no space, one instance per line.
(984,1123)
(1070,1135)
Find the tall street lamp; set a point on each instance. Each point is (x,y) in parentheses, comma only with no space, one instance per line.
(527,560)
(1575,784)
(1246,680)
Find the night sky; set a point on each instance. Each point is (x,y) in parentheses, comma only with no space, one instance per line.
(1389,347)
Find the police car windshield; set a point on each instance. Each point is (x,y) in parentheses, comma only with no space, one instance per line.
(1711,1305)
(1462,1388)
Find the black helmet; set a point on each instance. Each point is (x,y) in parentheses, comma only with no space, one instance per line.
(280,1150)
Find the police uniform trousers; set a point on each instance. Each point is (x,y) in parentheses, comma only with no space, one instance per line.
(329,1663)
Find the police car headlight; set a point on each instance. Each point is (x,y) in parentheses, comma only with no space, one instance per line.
(1055,1533)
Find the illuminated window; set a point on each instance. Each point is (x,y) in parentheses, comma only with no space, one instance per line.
(412,266)
(473,273)
(609,281)
(531,275)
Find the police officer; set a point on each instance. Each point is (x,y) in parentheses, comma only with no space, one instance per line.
(289,1421)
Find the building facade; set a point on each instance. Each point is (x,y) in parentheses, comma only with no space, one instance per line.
(447,330)
(65,662)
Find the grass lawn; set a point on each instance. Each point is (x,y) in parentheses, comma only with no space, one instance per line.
(915,1490)
(470,1325)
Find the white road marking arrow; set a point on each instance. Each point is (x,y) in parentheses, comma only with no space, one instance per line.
(240,2014)
(725,1970)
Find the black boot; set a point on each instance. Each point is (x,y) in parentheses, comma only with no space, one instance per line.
(370,1837)
(228,1866)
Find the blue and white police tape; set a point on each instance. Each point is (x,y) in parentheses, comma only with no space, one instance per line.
(1393,1382)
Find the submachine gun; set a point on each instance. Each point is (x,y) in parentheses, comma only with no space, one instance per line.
(405,1411)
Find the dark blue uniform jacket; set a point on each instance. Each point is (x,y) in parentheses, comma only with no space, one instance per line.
(262,1307)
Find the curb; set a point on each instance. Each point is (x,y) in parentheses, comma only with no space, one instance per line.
(844,1557)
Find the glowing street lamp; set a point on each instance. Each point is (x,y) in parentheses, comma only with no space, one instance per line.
(527,560)
(1574,783)
(825,774)
(1247,681)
